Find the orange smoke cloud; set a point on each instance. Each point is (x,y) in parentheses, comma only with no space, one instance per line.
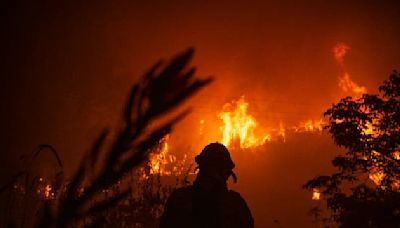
(339,52)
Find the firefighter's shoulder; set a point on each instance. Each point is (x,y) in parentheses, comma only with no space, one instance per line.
(236,209)
(181,197)
(234,197)
(177,211)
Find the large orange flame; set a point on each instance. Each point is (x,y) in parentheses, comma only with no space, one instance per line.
(239,125)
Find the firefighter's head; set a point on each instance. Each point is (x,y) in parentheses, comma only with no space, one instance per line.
(215,160)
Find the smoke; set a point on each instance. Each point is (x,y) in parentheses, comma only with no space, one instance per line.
(347,85)
(339,52)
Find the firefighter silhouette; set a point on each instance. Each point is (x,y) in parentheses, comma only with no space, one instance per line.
(208,203)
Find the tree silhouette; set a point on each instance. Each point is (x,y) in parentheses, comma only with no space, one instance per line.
(365,190)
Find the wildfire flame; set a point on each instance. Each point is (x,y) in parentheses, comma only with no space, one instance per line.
(240,128)
(164,163)
(48,191)
(159,160)
(316,195)
(377,174)
(347,85)
(396,155)
(310,126)
(44,190)
(239,125)
(369,130)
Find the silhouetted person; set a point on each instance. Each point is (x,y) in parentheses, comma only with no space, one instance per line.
(208,203)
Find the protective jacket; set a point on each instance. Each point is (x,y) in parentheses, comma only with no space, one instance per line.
(190,207)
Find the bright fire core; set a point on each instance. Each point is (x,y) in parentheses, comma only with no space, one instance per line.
(239,125)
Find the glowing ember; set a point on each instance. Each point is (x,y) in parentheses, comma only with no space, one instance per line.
(371,129)
(239,125)
(376,175)
(43,189)
(47,191)
(316,194)
(396,155)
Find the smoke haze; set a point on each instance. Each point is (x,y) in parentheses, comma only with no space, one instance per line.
(68,68)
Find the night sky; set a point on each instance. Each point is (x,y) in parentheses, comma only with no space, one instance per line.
(67,68)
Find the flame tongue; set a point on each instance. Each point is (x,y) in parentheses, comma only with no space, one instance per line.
(239,125)
(345,83)
(159,160)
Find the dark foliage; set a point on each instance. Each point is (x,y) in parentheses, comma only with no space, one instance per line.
(368,128)
(26,193)
(145,122)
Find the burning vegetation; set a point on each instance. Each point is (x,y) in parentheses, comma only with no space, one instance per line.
(239,125)
(365,189)
(239,129)
(347,85)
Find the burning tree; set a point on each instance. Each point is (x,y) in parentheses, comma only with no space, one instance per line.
(365,192)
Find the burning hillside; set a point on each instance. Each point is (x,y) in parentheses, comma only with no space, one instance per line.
(239,129)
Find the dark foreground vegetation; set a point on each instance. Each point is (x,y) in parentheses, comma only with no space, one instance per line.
(112,184)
